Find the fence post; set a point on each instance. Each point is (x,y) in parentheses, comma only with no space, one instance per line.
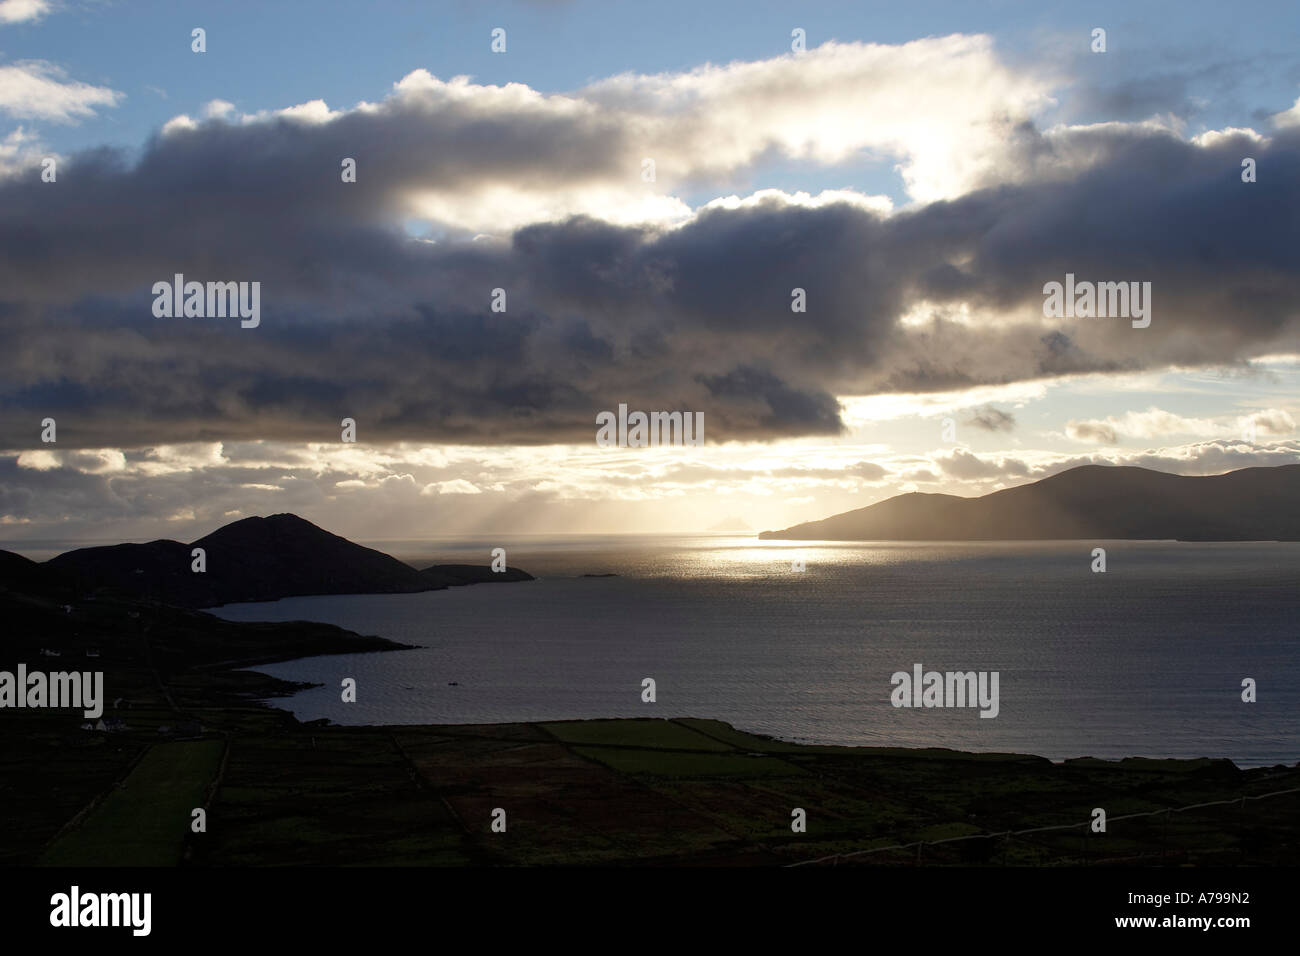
(1241,829)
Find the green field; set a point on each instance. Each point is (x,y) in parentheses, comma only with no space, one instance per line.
(146,820)
(636,792)
(642,733)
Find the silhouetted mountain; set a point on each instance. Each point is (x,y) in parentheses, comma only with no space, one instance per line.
(24,576)
(1091,502)
(256,559)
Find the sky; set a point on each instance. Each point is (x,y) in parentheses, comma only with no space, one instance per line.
(920,171)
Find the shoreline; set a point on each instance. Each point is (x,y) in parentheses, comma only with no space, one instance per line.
(201,730)
(294,687)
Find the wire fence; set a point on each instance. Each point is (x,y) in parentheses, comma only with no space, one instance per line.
(919,845)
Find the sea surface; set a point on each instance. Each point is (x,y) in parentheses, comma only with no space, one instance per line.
(1146,659)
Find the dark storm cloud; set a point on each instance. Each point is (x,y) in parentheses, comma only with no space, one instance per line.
(1092,431)
(1138,98)
(360,320)
(1182,81)
(992,419)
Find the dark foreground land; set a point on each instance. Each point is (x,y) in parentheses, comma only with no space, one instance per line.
(686,791)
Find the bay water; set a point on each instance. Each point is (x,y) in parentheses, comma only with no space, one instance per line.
(1146,659)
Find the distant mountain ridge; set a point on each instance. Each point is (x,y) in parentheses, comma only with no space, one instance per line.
(1089,502)
(254,559)
(731,524)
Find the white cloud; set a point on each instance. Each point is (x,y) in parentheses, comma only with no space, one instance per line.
(311,113)
(965,466)
(178,124)
(1273,421)
(39,460)
(89,461)
(881,205)
(36,89)
(868,409)
(218,109)
(1288,117)
(177,459)
(1217,137)
(947,112)
(943,109)
(22,11)
(20,150)
(457,486)
(1158,423)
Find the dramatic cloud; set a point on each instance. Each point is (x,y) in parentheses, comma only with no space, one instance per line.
(405,491)
(491,159)
(359,319)
(946,107)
